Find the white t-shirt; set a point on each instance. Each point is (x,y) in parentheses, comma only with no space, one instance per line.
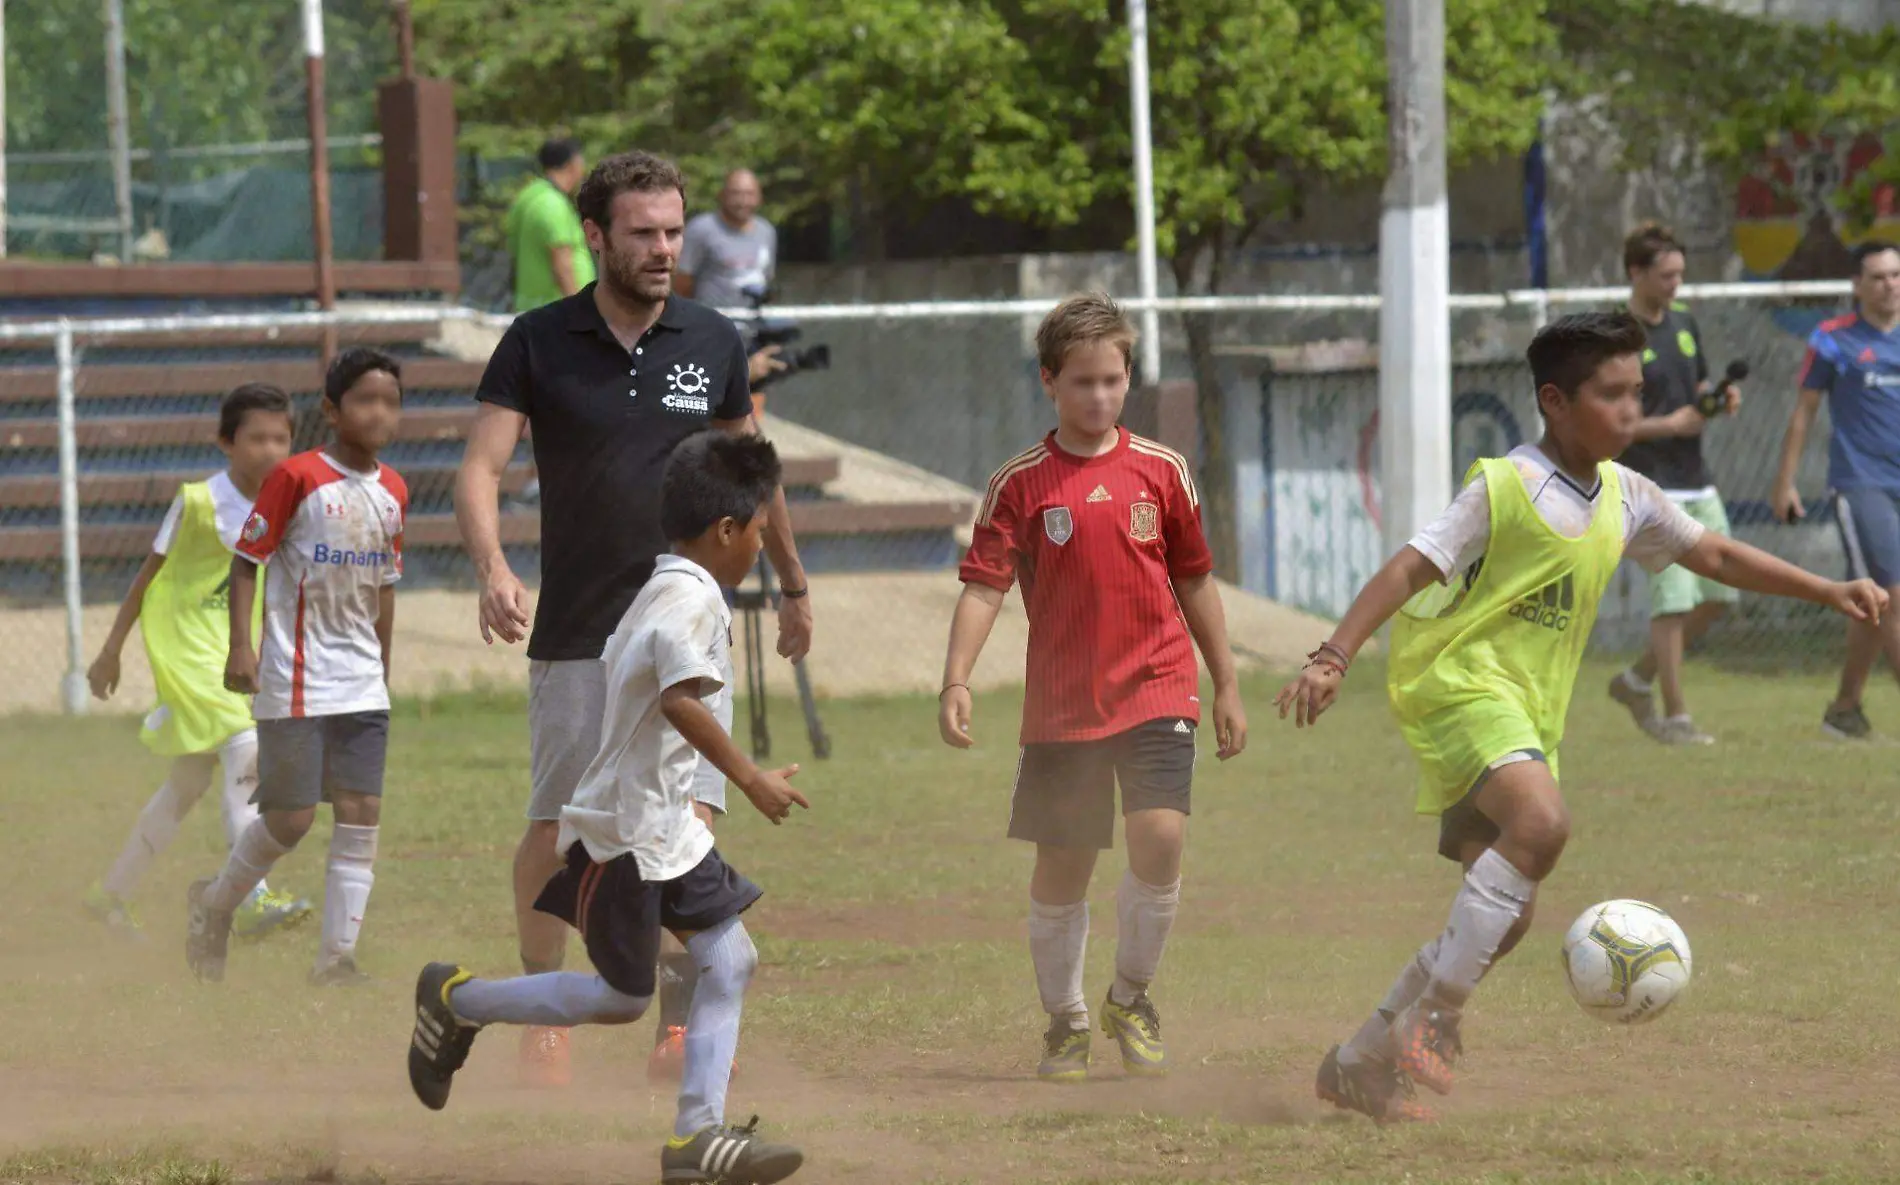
(1656,531)
(333,538)
(637,795)
(229,506)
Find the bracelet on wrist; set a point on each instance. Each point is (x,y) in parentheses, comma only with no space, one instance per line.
(793,594)
(948,686)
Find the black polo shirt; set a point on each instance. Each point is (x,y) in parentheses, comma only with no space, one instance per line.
(604,420)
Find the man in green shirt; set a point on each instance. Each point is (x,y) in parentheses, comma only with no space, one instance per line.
(545,240)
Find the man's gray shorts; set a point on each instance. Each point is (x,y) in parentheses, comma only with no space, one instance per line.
(302,760)
(566,700)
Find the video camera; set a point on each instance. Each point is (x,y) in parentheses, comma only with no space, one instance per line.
(765,331)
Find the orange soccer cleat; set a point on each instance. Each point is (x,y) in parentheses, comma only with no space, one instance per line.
(544,1058)
(667,1063)
(1429,1046)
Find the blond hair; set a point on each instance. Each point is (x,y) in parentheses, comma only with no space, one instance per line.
(1080,321)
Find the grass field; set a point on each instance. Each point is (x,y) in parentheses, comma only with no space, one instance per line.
(892,1029)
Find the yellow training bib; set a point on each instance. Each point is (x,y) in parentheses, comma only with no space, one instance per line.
(1484,665)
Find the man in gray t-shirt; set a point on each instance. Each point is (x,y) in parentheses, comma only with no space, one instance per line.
(729,251)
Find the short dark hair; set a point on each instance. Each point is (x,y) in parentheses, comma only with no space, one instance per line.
(351,365)
(246,398)
(1867,249)
(714,475)
(625,172)
(1566,352)
(1648,243)
(556,153)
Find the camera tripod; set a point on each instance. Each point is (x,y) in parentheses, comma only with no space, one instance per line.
(751,605)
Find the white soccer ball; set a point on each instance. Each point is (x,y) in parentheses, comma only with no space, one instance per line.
(1626,961)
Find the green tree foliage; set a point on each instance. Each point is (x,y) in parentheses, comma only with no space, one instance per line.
(197,72)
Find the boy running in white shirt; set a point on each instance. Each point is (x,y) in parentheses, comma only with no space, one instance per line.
(639,860)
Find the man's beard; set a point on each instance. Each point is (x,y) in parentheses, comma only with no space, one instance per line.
(630,283)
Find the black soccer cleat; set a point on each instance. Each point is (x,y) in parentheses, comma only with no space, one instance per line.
(207,936)
(727,1156)
(441,1040)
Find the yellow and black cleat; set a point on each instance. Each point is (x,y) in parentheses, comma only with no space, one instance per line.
(1065,1052)
(1136,1027)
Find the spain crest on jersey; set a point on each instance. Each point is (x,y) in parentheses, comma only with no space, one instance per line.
(1058,524)
(1144,522)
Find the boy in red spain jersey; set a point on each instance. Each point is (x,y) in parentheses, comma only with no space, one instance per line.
(330,523)
(1102,529)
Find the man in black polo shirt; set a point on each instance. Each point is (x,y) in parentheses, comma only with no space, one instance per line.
(609,379)
(1668,451)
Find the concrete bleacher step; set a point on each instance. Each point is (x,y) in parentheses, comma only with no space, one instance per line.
(121,380)
(156,487)
(810,520)
(147,422)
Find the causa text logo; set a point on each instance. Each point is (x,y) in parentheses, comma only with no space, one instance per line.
(325,554)
(1550,606)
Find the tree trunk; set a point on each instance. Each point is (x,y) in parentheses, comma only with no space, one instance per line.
(1218,517)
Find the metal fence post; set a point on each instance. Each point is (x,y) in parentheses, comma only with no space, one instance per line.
(73,686)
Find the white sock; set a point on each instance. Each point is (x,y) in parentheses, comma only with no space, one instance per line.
(158,823)
(1373,1041)
(1058,938)
(726,959)
(346,885)
(251,858)
(1144,914)
(1494,896)
(1636,682)
(238,758)
(560,998)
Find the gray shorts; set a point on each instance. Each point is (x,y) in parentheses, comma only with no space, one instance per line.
(302,760)
(566,701)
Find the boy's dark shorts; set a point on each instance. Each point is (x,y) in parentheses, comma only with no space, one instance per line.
(1463,823)
(620,916)
(1065,790)
(302,760)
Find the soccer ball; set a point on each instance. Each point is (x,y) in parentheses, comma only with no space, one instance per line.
(1626,961)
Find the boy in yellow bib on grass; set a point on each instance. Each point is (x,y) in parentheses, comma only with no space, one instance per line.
(179,602)
(1492,606)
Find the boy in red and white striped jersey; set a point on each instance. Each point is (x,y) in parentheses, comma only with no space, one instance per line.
(1102,529)
(330,523)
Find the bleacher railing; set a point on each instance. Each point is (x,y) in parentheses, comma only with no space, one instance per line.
(1306,488)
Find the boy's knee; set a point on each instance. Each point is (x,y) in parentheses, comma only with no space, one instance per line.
(618,1008)
(1156,840)
(358,810)
(731,969)
(1538,835)
(289,827)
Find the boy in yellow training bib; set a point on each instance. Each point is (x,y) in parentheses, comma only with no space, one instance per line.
(1492,606)
(179,602)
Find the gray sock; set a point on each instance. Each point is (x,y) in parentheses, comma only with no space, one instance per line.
(558,998)
(726,959)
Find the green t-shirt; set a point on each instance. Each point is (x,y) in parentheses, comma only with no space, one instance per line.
(541,219)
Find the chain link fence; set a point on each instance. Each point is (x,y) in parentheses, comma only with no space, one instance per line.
(887,451)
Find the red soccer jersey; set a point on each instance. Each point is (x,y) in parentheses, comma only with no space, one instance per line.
(1096,543)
